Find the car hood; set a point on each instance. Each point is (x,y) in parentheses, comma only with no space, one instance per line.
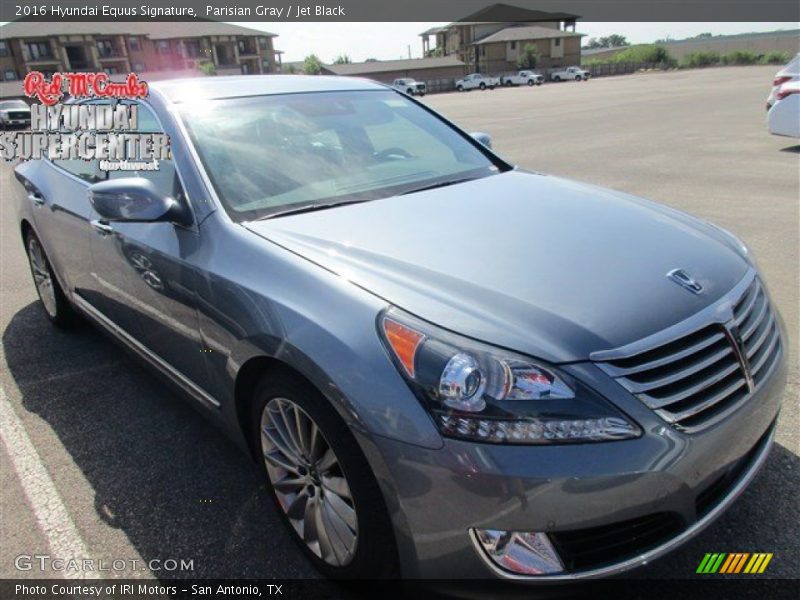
(541,265)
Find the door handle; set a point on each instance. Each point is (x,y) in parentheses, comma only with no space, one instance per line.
(36,198)
(103,229)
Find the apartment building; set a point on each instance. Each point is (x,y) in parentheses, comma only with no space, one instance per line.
(122,47)
(493,46)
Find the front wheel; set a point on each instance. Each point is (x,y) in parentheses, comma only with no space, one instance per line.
(460,88)
(530,82)
(410,92)
(482,86)
(320,480)
(556,78)
(56,306)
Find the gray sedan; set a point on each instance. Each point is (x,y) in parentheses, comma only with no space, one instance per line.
(445,366)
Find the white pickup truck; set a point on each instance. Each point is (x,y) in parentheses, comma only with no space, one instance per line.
(476,81)
(522,78)
(571,74)
(410,86)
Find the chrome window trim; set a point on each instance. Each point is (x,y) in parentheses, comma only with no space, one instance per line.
(643,559)
(119,333)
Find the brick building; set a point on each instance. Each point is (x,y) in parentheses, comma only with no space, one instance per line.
(122,47)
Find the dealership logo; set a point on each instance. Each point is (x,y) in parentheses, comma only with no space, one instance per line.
(683,279)
(734,563)
(106,131)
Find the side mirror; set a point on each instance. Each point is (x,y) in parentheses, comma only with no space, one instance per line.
(483,138)
(134,199)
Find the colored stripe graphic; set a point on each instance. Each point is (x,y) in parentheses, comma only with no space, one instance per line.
(734,563)
(711,562)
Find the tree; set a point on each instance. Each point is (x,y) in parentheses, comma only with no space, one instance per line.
(291,69)
(342,59)
(207,68)
(528,57)
(312,65)
(611,41)
(615,41)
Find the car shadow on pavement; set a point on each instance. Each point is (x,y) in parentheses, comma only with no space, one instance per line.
(792,149)
(178,488)
(160,472)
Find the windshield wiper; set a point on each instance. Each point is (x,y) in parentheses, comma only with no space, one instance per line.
(440,184)
(307,208)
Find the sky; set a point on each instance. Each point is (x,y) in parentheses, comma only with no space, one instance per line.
(386,41)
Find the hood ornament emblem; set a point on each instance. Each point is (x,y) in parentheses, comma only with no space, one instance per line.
(683,279)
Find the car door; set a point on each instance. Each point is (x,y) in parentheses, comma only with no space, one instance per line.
(146,277)
(61,216)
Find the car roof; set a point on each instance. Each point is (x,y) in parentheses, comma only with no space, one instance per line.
(237,86)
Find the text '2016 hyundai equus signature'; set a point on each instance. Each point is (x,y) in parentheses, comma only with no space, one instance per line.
(446,366)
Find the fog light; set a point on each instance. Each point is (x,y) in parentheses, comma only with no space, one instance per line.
(525,553)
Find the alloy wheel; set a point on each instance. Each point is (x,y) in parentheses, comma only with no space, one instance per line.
(309,481)
(41,276)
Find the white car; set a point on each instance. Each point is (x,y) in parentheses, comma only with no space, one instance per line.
(522,78)
(476,81)
(791,72)
(410,86)
(784,116)
(571,74)
(14,113)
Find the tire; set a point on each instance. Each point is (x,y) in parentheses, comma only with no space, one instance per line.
(55,304)
(482,86)
(531,82)
(556,78)
(410,92)
(578,78)
(460,88)
(372,553)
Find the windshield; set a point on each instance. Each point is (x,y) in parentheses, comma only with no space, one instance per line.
(271,154)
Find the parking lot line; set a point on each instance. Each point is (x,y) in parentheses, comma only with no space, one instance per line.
(51,514)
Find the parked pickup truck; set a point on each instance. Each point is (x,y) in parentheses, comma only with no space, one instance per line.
(570,74)
(410,87)
(522,78)
(476,81)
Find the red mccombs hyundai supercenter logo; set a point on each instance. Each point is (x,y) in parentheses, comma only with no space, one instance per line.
(104,131)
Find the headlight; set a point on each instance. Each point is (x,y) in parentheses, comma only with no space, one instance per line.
(478,392)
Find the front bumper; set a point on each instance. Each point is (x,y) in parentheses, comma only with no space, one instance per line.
(437,497)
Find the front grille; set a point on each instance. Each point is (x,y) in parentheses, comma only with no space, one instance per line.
(693,379)
(599,546)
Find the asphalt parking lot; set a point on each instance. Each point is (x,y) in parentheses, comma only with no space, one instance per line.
(117,466)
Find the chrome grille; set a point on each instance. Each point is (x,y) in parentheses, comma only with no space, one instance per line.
(698,375)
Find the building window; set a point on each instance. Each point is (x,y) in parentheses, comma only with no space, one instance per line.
(3,48)
(105,48)
(10,75)
(558,41)
(37,50)
(262,42)
(513,45)
(134,44)
(162,47)
(191,48)
(138,67)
